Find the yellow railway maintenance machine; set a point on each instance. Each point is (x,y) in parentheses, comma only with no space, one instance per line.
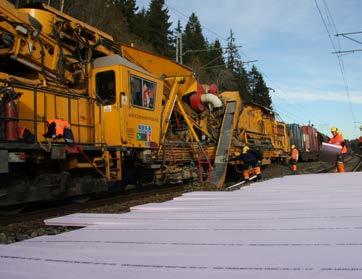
(55,70)
(80,114)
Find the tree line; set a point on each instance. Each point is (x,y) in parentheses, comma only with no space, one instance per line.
(150,28)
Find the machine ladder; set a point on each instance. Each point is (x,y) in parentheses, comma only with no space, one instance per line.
(203,162)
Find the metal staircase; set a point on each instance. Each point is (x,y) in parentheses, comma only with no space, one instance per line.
(203,162)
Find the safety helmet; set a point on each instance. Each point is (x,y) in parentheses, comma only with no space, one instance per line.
(334,129)
(245,149)
(293,146)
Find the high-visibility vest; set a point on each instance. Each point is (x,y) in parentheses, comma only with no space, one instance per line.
(60,125)
(338,140)
(295,154)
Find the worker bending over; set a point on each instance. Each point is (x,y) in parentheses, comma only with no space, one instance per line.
(294,156)
(59,128)
(251,159)
(338,139)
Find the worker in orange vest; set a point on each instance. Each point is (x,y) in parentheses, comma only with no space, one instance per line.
(294,156)
(57,129)
(338,139)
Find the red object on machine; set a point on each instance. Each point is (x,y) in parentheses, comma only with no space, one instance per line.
(213,89)
(11,120)
(195,99)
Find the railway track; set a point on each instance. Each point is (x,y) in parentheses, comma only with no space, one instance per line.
(358,165)
(31,222)
(64,209)
(352,164)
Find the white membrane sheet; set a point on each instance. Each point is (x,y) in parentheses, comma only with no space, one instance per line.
(307,226)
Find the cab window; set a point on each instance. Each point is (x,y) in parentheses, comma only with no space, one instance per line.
(143,92)
(106,87)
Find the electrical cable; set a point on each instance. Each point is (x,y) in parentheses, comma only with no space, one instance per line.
(203,26)
(295,107)
(340,63)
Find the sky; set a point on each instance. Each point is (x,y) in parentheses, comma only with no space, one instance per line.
(293,49)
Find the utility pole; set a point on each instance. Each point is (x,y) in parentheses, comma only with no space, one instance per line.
(61,5)
(179,53)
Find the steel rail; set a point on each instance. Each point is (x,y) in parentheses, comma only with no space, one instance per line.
(121,198)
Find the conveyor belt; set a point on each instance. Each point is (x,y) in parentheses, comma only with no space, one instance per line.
(223,146)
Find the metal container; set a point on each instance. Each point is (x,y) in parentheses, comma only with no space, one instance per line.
(295,136)
(11,122)
(311,143)
(310,139)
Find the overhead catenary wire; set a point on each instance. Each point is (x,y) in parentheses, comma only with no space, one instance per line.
(340,61)
(331,21)
(347,36)
(340,52)
(290,117)
(286,115)
(187,17)
(350,38)
(298,108)
(290,111)
(204,27)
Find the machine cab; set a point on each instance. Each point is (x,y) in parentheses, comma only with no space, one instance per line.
(130,103)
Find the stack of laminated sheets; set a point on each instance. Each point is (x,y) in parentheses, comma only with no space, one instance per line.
(307,226)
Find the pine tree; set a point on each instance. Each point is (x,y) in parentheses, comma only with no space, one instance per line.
(215,56)
(158,27)
(193,40)
(242,80)
(129,9)
(101,14)
(232,53)
(236,67)
(140,25)
(178,28)
(258,89)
